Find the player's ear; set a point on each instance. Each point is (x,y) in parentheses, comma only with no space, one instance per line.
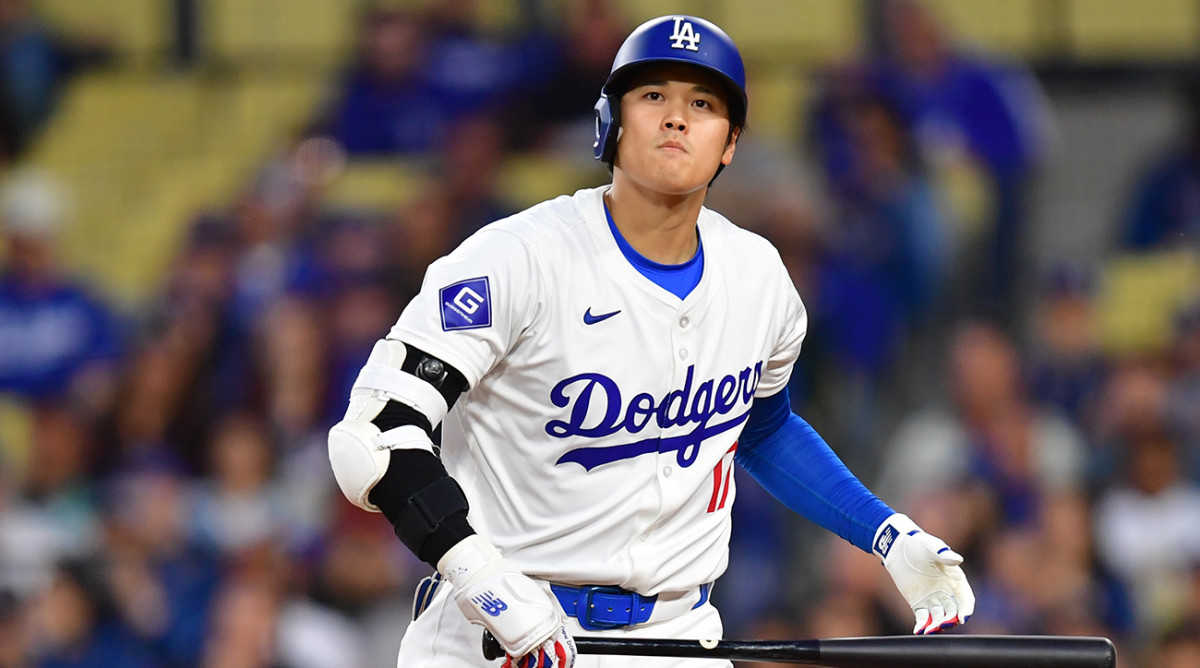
(730,146)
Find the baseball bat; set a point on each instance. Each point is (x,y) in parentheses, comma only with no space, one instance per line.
(933,651)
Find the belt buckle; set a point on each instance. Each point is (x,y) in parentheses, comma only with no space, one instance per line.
(589,623)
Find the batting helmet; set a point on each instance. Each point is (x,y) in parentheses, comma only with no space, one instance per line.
(669,39)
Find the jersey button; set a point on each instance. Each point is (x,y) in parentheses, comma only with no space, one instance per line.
(667,471)
(684,322)
(683,353)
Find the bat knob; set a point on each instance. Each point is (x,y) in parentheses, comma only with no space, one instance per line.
(491,647)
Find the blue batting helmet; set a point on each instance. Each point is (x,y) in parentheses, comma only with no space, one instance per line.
(667,39)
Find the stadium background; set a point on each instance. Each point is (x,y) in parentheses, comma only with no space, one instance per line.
(202,242)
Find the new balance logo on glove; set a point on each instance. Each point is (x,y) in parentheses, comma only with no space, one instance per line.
(488,603)
(887,537)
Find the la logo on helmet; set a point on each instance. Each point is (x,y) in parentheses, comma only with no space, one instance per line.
(684,37)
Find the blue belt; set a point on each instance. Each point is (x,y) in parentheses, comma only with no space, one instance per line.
(598,607)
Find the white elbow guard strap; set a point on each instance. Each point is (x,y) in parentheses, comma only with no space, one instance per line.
(412,377)
(359,454)
(423,385)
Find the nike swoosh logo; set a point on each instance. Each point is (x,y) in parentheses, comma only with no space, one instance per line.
(589,319)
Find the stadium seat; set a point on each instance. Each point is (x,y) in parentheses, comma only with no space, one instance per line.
(778,99)
(16,437)
(141,153)
(139,30)
(1016,27)
(1139,297)
(298,32)
(805,32)
(1110,30)
(376,185)
(643,10)
(529,179)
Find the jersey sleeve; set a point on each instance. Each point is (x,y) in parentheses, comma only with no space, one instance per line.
(474,303)
(790,326)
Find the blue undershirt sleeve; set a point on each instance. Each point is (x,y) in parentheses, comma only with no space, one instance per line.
(790,460)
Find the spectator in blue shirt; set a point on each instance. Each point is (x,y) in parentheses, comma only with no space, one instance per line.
(57,338)
(968,106)
(1164,211)
(387,104)
(74,629)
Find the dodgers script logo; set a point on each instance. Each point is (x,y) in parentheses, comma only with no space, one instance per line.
(466,304)
(597,394)
(685,36)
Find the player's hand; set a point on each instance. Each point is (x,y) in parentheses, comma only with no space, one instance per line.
(557,652)
(927,573)
(524,617)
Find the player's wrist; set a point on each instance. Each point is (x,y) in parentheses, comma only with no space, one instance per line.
(890,532)
(470,560)
(449,533)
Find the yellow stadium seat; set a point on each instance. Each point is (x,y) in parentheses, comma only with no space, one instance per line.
(1144,30)
(16,438)
(249,114)
(807,32)
(778,99)
(298,31)
(1017,27)
(139,154)
(1140,295)
(498,16)
(377,185)
(527,179)
(154,224)
(140,29)
(493,16)
(638,11)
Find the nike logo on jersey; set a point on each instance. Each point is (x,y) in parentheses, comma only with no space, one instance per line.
(589,319)
(596,396)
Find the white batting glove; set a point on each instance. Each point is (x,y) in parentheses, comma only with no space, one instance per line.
(523,617)
(557,652)
(927,573)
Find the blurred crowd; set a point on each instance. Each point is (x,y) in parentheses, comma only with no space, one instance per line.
(170,502)
(36,61)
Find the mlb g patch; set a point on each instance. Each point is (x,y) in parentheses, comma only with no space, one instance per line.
(466,304)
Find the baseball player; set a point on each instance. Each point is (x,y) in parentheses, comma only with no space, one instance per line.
(597,364)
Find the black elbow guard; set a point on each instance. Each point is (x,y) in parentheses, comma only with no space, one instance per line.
(426,507)
(448,381)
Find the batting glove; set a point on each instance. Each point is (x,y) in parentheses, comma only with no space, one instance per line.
(557,652)
(927,573)
(524,618)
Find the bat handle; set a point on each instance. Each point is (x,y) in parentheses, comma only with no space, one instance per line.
(491,647)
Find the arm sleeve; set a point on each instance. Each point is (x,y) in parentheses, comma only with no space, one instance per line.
(792,462)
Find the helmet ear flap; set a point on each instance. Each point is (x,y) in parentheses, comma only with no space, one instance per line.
(608,118)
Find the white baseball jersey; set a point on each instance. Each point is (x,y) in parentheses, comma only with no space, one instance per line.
(596,443)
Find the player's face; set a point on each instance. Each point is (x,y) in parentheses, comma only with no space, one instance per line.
(674,129)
